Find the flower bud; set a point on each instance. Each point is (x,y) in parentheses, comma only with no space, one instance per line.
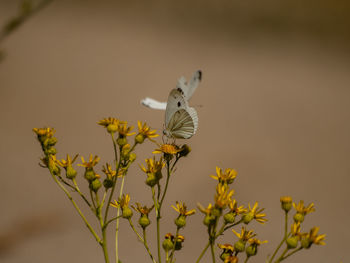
(50,151)
(144,221)
(112,128)
(167,244)
(52,141)
(151,179)
(108,183)
(127,213)
(89,174)
(298,217)
(180,221)
(71,173)
(209,220)
(139,138)
(224,255)
(121,141)
(239,246)
(132,157)
(229,218)
(178,242)
(292,242)
(95,185)
(185,150)
(305,243)
(247,218)
(216,212)
(251,251)
(286,203)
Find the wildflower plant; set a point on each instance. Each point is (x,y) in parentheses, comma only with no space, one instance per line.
(107,199)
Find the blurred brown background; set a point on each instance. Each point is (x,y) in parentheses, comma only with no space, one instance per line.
(275,106)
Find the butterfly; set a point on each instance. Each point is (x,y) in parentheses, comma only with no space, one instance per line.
(187,88)
(181,120)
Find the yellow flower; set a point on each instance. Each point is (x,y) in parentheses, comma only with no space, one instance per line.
(300,208)
(231,259)
(48,132)
(145,132)
(227,248)
(108,171)
(235,209)
(256,242)
(244,235)
(143,210)
(254,213)
(314,238)
(68,162)
(153,166)
(182,209)
(122,203)
(124,130)
(207,211)
(223,196)
(91,163)
(225,178)
(295,230)
(108,121)
(168,149)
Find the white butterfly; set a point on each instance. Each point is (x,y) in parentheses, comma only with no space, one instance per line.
(187,88)
(181,121)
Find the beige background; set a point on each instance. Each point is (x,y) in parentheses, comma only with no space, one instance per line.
(275,106)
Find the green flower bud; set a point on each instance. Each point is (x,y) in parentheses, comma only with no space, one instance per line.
(251,251)
(139,138)
(112,128)
(239,246)
(209,220)
(178,244)
(180,221)
(144,221)
(121,141)
(70,172)
(132,157)
(108,183)
(95,185)
(298,217)
(224,255)
(127,213)
(247,218)
(50,151)
(286,203)
(305,243)
(52,141)
(229,218)
(216,212)
(292,242)
(167,244)
(151,180)
(55,169)
(89,174)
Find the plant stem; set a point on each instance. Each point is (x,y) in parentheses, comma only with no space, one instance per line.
(98,239)
(282,255)
(203,252)
(117,223)
(173,250)
(291,253)
(212,250)
(284,238)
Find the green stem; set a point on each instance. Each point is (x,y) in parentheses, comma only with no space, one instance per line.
(284,238)
(246,259)
(282,255)
(98,239)
(117,223)
(146,245)
(80,193)
(291,253)
(212,250)
(173,250)
(203,252)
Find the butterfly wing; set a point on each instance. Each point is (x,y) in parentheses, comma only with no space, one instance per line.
(191,86)
(176,101)
(153,104)
(183,124)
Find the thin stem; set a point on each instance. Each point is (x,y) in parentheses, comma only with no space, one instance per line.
(284,238)
(166,184)
(291,253)
(282,255)
(203,252)
(146,246)
(98,239)
(246,259)
(117,223)
(173,250)
(212,251)
(80,193)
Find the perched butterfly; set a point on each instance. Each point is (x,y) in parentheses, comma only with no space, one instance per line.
(187,88)
(181,120)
